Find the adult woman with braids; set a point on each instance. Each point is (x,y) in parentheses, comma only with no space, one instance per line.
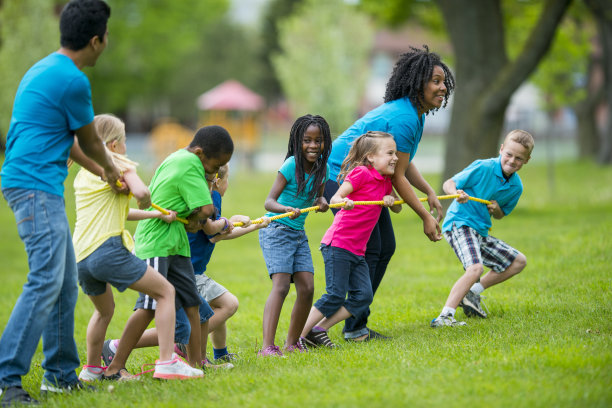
(420,83)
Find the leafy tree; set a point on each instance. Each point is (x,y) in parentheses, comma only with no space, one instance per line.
(149,45)
(486,75)
(275,11)
(28,32)
(323,63)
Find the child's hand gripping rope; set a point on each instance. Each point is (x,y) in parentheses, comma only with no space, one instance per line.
(381,202)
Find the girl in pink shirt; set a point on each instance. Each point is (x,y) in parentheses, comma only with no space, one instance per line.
(366,172)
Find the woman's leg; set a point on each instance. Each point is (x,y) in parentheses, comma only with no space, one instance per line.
(280,287)
(304,286)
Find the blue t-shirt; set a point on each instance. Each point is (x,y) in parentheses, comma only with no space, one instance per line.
(52,101)
(482,179)
(288,195)
(398,117)
(199,242)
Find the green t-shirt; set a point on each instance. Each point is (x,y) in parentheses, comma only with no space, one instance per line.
(179,185)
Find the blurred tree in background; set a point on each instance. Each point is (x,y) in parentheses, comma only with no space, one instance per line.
(323,63)
(28,32)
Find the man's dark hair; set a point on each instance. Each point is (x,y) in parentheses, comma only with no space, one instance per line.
(410,74)
(81,20)
(214,140)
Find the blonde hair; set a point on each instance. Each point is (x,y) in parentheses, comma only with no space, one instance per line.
(109,128)
(223,171)
(364,145)
(523,138)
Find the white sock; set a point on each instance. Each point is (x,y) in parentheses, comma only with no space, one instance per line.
(477,288)
(448,311)
(113,345)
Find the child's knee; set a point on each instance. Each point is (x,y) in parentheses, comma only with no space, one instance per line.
(474,271)
(520,262)
(232,304)
(281,289)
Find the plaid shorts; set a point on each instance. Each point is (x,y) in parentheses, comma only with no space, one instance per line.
(472,248)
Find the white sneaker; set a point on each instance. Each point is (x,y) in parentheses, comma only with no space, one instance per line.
(445,320)
(87,375)
(176,369)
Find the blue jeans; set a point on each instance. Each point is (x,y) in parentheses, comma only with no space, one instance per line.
(182,328)
(46,304)
(347,283)
(379,250)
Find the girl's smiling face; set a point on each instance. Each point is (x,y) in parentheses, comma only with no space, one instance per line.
(312,145)
(385,159)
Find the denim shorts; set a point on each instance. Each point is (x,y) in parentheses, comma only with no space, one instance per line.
(285,249)
(110,263)
(472,248)
(182,329)
(208,288)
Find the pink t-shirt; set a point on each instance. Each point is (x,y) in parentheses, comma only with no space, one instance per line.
(351,229)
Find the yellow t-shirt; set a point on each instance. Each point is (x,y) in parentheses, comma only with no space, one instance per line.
(100,212)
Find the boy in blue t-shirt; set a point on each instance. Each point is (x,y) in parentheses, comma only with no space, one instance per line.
(467,223)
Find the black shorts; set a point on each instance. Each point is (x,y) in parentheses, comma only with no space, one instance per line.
(179,272)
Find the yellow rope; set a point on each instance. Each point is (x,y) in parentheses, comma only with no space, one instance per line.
(399,202)
(165,212)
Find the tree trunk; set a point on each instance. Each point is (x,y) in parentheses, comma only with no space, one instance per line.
(602,12)
(485,78)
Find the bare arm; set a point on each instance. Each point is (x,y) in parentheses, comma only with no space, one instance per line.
(431,228)
(321,202)
(273,205)
(92,147)
(396,208)
(138,215)
(138,188)
(240,231)
(416,179)
(77,155)
(345,189)
(450,187)
(198,218)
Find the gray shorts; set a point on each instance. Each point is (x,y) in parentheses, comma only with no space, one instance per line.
(472,248)
(110,263)
(179,272)
(208,288)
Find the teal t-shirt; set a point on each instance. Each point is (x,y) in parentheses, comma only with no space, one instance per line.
(179,184)
(289,195)
(482,179)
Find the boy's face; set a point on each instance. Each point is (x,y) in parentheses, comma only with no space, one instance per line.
(212,165)
(513,156)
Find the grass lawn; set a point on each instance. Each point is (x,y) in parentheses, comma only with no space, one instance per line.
(547,341)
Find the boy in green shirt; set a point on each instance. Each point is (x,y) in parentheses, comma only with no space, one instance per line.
(179,184)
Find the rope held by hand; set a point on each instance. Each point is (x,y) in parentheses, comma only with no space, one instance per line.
(337,205)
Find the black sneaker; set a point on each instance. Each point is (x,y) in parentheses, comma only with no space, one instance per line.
(107,353)
(372,335)
(16,395)
(227,358)
(318,339)
(46,388)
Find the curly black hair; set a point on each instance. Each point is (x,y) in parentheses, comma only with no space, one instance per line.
(294,148)
(411,73)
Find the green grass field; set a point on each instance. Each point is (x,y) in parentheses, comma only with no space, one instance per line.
(547,341)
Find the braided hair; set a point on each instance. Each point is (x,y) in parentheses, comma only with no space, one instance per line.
(412,72)
(294,148)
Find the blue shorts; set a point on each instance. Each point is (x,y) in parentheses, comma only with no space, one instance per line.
(285,249)
(472,248)
(110,263)
(182,330)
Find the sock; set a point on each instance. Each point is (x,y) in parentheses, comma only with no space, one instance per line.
(318,329)
(477,288)
(113,345)
(218,353)
(448,311)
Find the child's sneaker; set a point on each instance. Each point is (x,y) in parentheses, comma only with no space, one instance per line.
(121,375)
(272,350)
(107,353)
(91,373)
(223,366)
(176,369)
(471,305)
(227,357)
(318,339)
(446,320)
(299,346)
(180,349)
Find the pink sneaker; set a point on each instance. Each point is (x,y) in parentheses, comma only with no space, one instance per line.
(300,347)
(272,350)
